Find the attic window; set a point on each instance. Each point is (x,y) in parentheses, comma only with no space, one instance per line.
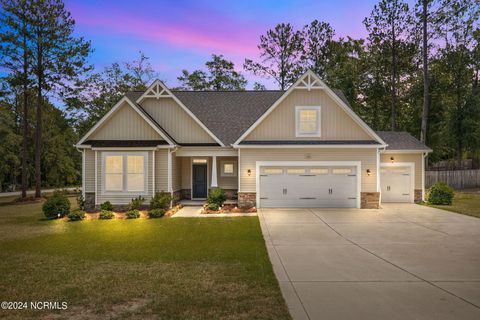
(228,169)
(307,121)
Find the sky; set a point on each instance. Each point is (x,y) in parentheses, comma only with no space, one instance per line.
(183,34)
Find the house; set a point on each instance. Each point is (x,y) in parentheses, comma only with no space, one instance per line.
(303,147)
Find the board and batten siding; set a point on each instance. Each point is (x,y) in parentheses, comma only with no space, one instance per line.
(227,182)
(125,124)
(178,123)
(121,199)
(161,170)
(336,124)
(89,170)
(416,158)
(367,157)
(176,172)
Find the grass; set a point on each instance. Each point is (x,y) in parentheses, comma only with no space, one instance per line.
(464,202)
(182,268)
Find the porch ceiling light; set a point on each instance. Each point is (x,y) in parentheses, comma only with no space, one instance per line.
(249,172)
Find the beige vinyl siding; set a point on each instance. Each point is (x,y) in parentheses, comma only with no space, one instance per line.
(125,124)
(227,182)
(416,158)
(126,197)
(89,170)
(367,156)
(161,170)
(336,124)
(178,123)
(176,172)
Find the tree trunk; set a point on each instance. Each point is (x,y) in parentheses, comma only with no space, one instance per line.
(25,119)
(394,79)
(423,132)
(38,127)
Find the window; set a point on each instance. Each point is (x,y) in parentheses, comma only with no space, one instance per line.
(200,161)
(113,173)
(228,169)
(273,171)
(124,172)
(296,171)
(341,171)
(319,170)
(307,121)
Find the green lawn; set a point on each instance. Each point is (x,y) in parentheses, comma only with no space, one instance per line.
(182,268)
(465,202)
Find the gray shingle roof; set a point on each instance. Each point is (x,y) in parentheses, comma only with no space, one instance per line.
(401,140)
(309,142)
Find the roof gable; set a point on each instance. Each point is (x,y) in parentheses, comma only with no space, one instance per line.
(310,81)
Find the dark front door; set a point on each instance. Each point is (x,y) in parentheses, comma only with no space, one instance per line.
(199,181)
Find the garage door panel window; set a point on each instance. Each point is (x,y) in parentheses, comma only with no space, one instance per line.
(273,171)
(308,122)
(125,173)
(295,171)
(342,171)
(319,171)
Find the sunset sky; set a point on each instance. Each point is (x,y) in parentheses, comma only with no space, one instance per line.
(183,34)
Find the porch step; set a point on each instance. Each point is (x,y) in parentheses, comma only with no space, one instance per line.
(193,203)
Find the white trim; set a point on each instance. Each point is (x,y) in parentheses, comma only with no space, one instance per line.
(96,177)
(424,156)
(378,171)
(182,152)
(83,174)
(130,148)
(159,83)
(116,108)
(191,177)
(153,173)
(124,190)
(239,175)
(412,175)
(318,131)
(222,167)
(357,164)
(332,95)
(405,151)
(300,146)
(214,180)
(169,171)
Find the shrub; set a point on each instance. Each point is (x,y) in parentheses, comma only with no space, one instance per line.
(106,206)
(56,206)
(213,206)
(161,200)
(106,214)
(217,196)
(136,203)
(440,193)
(132,214)
(81,202)
(76,215)
(156,213)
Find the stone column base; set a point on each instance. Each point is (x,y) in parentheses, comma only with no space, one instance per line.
(247,199)
(417,196)
(186,194)
(89,201)
(370,200)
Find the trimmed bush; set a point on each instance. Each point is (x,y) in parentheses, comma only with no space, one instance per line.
(213,206)
(156,213)
(217,196)
(76,215)
(132,214)
(106,206)
(106,214)
(440,194)
(136,203)
(56,206)
(161,200)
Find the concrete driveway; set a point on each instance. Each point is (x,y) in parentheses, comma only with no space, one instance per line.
(401,262)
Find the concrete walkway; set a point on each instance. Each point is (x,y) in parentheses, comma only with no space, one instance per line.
(195,212)
(400,262)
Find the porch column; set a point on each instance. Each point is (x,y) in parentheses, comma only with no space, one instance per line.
(214,183)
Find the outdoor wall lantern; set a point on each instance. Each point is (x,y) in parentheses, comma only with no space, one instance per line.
(392,159)
(249,172)
(369,172)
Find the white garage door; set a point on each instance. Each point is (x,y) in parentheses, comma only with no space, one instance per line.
(396,184)
(327,187)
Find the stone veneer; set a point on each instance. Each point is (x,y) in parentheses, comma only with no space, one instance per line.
(417,196)
(177,196)
(186,194)
(370,200)
(247,199)
(89,201)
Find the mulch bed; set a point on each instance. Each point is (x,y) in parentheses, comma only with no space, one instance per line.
(228,208)
(121,214)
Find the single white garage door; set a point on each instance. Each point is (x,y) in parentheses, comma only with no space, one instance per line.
(396,183)
(295,187)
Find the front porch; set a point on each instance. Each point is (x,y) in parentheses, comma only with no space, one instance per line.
(196,171)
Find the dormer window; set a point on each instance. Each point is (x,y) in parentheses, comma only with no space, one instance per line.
(307,121)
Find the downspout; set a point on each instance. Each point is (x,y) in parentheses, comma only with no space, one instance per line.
(424,156)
